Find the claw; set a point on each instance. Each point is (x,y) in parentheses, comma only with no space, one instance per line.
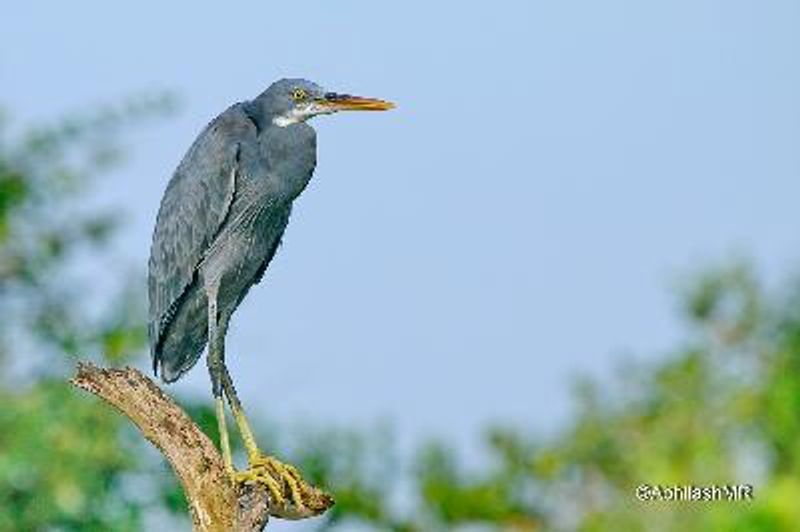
(256,476)
(285,472)
(278,477)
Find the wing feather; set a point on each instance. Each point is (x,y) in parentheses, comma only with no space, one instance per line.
(194,208)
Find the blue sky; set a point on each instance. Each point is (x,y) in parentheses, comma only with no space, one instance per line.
(551,169)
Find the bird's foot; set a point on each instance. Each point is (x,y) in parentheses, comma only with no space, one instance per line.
(290,496)
(281,479)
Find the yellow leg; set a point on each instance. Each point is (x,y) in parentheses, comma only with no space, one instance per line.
(247,433)
(262,468)
(224,443)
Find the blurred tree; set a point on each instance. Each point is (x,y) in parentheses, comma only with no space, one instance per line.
(65,461)
(723,408)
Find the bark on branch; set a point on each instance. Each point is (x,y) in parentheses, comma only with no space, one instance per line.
(216,504)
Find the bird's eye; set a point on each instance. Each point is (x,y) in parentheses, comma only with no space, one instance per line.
(299,94)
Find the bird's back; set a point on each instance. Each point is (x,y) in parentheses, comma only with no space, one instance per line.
(195,206)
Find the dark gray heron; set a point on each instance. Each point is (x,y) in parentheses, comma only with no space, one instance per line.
(220,222)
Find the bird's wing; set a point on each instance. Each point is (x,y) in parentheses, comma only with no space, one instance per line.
(193,209)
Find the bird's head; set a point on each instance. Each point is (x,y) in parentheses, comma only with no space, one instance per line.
(289,101)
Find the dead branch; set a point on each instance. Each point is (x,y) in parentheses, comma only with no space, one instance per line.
(216,504)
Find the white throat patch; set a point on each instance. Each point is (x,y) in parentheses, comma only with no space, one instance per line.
(301,114)
(283,121)
(294,116)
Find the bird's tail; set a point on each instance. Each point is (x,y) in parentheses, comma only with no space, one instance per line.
(183,339)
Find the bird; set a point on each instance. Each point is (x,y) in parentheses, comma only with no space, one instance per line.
(220,222)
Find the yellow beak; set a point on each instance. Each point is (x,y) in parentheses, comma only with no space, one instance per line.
(348,102)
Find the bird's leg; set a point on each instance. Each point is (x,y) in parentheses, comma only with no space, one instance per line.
(216,367)
(224,443)
(248,438)
(265,469)
(262,468)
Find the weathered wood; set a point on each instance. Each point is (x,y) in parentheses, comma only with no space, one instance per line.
(216,504)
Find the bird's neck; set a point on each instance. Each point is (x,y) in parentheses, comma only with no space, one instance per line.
(259,113)
(291,155)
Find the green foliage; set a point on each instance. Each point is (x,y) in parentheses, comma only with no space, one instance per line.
(360,467)
(61,461)
(44,227)
(65,460)
(722,409)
